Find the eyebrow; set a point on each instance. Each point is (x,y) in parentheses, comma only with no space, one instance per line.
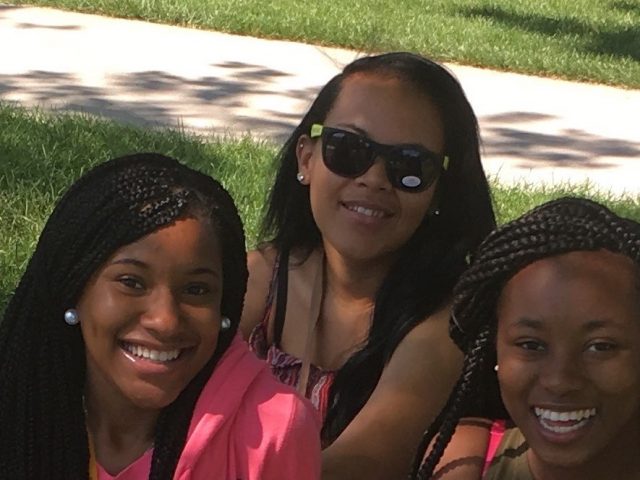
(141,264)
(590,326)
(528,322)
(602,323)
(356,129)
(365,134)
(130,261)
(204,271)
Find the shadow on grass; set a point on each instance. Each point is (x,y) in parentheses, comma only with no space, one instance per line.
(617,41)
(157,98)
(630,6)
(504,135)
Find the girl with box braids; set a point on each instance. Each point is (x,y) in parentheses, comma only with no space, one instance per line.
(42,359)
(555,228)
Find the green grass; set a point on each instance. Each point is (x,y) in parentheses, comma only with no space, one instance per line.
(43,153)
(586,40)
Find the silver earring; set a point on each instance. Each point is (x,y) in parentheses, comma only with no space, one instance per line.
(300,177)
(225,324)
(496,368)
(71,317)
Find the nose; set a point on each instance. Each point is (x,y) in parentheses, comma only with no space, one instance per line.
(162,313)
(376,177)
(562,375)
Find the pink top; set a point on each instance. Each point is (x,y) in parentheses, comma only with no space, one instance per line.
(245,426)
(137,470)
(495,437)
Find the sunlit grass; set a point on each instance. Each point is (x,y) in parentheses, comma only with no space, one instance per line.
(589,40)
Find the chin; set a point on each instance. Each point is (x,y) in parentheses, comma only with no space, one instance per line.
(154,399)
(357,253)
(559,459)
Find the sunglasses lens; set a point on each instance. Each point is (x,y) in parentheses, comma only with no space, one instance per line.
(346,154)
(410,169)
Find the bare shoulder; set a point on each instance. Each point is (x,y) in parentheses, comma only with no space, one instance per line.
(463,458)
(428,351)
(411,391)
(425,365)
(260,264)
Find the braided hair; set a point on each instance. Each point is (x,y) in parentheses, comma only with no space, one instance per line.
(554,228)
(42,360)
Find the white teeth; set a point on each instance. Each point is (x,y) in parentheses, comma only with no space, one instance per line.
(366,211)
(563,429)
(153,355)
(556,416)
(578,419)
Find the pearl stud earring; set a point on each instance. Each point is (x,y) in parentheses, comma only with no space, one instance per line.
(71,317)
(300,177)
(225,324)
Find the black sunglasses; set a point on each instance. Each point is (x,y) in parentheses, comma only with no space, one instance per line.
(411,168)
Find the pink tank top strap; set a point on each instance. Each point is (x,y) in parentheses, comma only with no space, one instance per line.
(495,437)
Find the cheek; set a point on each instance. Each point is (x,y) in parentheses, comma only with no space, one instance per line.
(211,340)
(618,378)
(418,210)
(516,381)
(206,324)
(415,207)
(106,313)
(324,194)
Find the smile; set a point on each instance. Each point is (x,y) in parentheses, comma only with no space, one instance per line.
(565,421)
(369,212)
(159,356)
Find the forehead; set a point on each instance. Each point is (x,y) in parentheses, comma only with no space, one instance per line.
(185,240)
(583,286)
(388,109)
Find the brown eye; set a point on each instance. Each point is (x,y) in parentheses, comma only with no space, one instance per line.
(131,282)
(601,346)
(197,289)
(531,345)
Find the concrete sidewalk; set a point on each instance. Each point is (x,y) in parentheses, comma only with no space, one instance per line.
(539,130)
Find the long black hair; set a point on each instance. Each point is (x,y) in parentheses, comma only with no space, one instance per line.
(42,359)
(557,227)
(430,262)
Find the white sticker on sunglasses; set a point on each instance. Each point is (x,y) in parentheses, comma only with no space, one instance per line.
(411,181)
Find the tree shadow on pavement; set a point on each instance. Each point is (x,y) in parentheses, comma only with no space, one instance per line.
(6,8)
(208,104)
(52,27)
(506,136)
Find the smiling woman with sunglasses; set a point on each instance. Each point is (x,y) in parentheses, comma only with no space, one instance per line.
(378,198)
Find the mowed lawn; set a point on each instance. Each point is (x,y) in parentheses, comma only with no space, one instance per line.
(42,154)
(585,40)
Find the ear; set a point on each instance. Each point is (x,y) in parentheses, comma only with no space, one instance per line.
(304,152)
